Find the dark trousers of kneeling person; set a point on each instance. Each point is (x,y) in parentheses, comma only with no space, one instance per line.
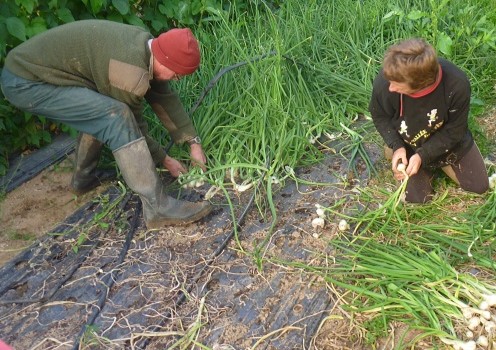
(469,172)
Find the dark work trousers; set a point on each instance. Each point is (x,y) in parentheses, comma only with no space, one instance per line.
(469,172)
(108,120)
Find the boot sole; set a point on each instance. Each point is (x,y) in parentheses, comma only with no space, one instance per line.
(179,222)
(80,192)
(104,178)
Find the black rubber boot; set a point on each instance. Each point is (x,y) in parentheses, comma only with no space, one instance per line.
(86,175)
(159,209)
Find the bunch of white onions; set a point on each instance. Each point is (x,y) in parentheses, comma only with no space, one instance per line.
(191,180)
(481,324)
(319,221)
(492,181)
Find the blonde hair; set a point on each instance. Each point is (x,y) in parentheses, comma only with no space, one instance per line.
(411,61)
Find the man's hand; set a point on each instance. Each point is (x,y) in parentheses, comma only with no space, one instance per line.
(399,156)
(198,157)
(174,166)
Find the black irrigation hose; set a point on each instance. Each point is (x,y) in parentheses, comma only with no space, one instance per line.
(214,81)
(110,279)
(223,71)
(82,258)
(182,295)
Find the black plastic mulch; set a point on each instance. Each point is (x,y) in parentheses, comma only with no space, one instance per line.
(25,167)
(126,285)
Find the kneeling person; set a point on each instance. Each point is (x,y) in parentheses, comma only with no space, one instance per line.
(420,106)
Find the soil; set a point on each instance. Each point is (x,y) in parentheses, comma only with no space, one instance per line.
(33,209)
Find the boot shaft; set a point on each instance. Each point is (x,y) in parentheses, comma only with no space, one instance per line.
(85,177)
(140,174)
(88,151)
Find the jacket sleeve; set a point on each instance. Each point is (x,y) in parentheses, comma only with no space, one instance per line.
(455,127)
(382,112)
(169,109)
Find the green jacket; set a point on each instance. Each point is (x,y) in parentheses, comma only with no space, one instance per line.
(111,58)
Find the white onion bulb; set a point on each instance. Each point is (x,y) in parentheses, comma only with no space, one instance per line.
(318,222)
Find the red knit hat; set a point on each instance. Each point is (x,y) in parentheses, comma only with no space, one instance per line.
(178,50)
